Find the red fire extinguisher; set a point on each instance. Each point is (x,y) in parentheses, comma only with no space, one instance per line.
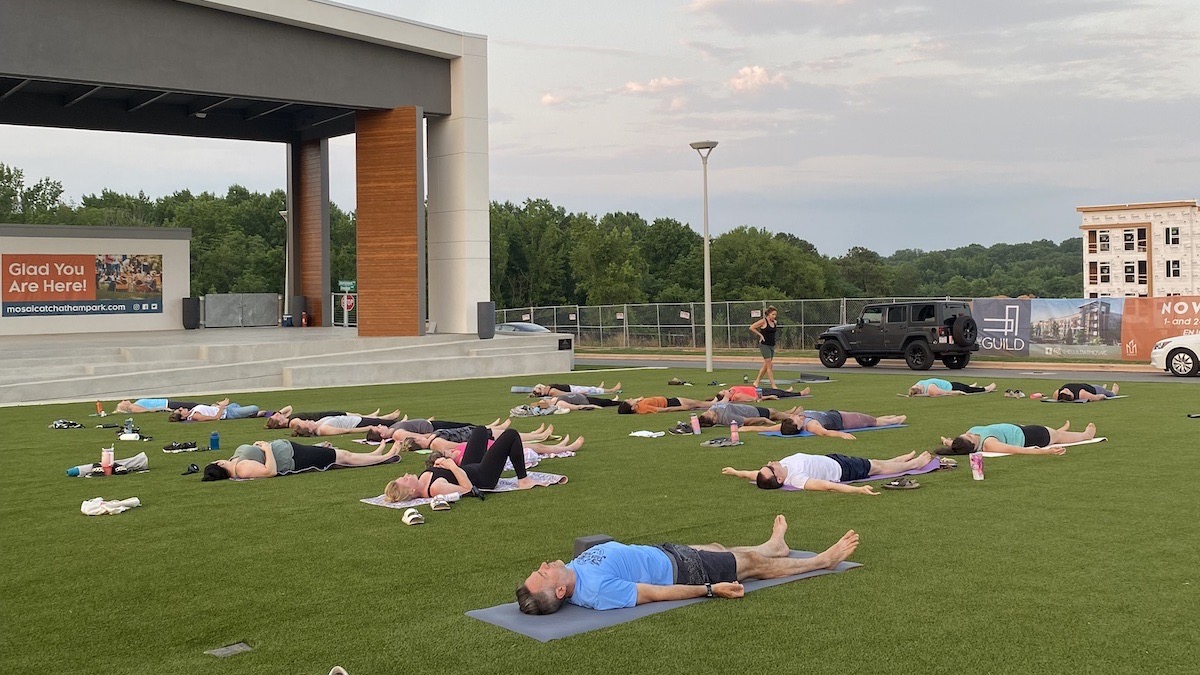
(304,319)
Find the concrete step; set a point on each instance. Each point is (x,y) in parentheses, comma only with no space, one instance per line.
(528,362)
(176,381)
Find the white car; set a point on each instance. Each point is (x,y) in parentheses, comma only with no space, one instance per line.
(1177,355)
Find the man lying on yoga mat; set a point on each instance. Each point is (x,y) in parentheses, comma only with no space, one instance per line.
(282,418)
(827,473)
(335,425)
(405,428)
(649,405)
(1015,439)
(934,386)
(559,389)
(746,393)
(221,410)
(265,459)
(830,423)
(1085,392)
(143,405)
(614,575)
(722,414)
(481,466)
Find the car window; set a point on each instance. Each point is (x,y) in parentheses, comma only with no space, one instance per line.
(896,314)
(873,316)
(925,313)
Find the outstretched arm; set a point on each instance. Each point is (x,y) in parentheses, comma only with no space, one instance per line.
(817,429)
(651,593)
(993,445)
(815,485)
(748,475)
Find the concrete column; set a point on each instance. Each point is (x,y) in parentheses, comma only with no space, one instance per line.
(308,217)
(459,232)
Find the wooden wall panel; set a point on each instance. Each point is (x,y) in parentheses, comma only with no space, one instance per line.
(390,248)
(312,234)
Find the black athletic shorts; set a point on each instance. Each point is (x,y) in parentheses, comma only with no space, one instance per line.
(312,457)
(696,568)
(1036,436)
(853,468)
(672,402)
(763,412)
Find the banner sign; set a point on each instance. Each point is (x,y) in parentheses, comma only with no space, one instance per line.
(1082,328)
(1148,320)
(76,284)
(1003,326)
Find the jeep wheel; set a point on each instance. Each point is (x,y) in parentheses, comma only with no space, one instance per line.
(964,330)
(956,361)
(1182,363)
(918,355)
(867,361)
(832,355)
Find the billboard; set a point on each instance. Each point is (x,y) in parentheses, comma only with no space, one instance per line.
(1003,325)
(34,284)
(1148,320)
(1075,328)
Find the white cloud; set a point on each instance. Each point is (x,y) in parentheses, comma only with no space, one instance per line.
(550,99)
(655,85)
(753,78)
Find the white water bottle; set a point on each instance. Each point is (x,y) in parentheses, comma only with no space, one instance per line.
(733,431)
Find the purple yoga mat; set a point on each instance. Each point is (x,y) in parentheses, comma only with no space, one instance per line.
(931,466)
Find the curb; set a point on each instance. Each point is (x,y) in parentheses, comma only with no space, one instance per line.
(813,361)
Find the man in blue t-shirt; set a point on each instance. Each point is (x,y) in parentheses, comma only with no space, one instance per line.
(613,575)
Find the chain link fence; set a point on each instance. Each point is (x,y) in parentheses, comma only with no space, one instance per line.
(681,325)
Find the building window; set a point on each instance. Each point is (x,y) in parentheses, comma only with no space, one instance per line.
(1093,274)
(1128,240)
(1104,274)
(1091,241)
(1173,268)
(1129,273)
(1103,242)
(1141,272)
(1093,295)
(1141,240)
(1172,236)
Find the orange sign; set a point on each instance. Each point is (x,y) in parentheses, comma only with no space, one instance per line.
(1148,320)
(40,277)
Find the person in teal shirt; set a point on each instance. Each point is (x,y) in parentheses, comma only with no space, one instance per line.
(934,386)
(1015,439)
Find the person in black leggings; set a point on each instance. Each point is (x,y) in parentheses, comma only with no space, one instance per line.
(481,467)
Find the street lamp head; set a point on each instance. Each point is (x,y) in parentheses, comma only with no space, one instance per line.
(704,145)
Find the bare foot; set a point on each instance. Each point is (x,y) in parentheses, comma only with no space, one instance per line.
(905,457)
(776,547)
(806,391)
(527,483)
(1090,430)
(576,445)
(1115,389)
(990,387)
(373,414)
(839,552)
(549,431)
(1066,426)
(924,458)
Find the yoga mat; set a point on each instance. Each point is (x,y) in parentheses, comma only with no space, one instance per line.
(931,466)
(1109,398)
(1099,439)
(505,485)
(521,390)
(572,619)
(973,393)
(805,434)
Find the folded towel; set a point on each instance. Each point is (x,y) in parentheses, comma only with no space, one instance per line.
(99,507)
(647,434)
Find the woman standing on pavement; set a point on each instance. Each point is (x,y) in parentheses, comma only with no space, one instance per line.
(765,329)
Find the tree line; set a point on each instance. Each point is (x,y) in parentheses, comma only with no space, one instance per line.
(544,255)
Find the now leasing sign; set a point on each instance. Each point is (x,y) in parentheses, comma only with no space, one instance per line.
(49,285)
(1148,320)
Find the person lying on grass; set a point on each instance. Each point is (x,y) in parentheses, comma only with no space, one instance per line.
(453,441)
(649,405)
(832,423)
(744,393)
(559,389)
(221,410)
(281,419)
(934,386)
(456,431)
(613,575)
(828,473)
(1015,439)
(723,414)
(481,466)
(576,402)
(335,425)
(265,459)
(1085,392)
(144,405)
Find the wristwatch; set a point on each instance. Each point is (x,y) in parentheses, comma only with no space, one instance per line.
(708,587)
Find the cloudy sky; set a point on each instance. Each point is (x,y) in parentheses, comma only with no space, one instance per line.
(879,123)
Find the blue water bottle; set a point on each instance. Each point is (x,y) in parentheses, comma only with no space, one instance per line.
(214,441)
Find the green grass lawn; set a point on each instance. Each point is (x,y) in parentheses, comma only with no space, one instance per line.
(1085,562)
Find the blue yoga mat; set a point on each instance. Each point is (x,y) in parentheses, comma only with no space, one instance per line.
(806,434)
(572,619)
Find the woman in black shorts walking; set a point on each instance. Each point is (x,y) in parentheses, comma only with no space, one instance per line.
(765,329)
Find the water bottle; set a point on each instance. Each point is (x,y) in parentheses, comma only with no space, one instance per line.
(733,431)
(695,424)
(214,441)
(745,379)
(106,460)
(758,392)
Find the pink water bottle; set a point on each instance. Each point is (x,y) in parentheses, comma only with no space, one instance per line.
(733,431)
(106,460)
(695,425)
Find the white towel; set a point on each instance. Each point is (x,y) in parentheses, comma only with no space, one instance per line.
(647,434)
(99,507)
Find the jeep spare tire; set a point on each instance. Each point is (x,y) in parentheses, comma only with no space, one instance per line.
(832,355)
(964,331)
(918,355)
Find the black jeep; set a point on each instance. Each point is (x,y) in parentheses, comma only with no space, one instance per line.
(917,331)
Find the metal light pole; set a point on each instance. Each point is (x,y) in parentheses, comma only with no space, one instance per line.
(704,148)
(287,263)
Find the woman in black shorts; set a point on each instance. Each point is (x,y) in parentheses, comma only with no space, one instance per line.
(265,459)
(482,464)
(765,329)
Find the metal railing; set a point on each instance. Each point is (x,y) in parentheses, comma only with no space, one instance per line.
(341,317)
(682,324)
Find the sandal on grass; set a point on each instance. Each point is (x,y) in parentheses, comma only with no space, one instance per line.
(902,484)
(412,517)
(947,463)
